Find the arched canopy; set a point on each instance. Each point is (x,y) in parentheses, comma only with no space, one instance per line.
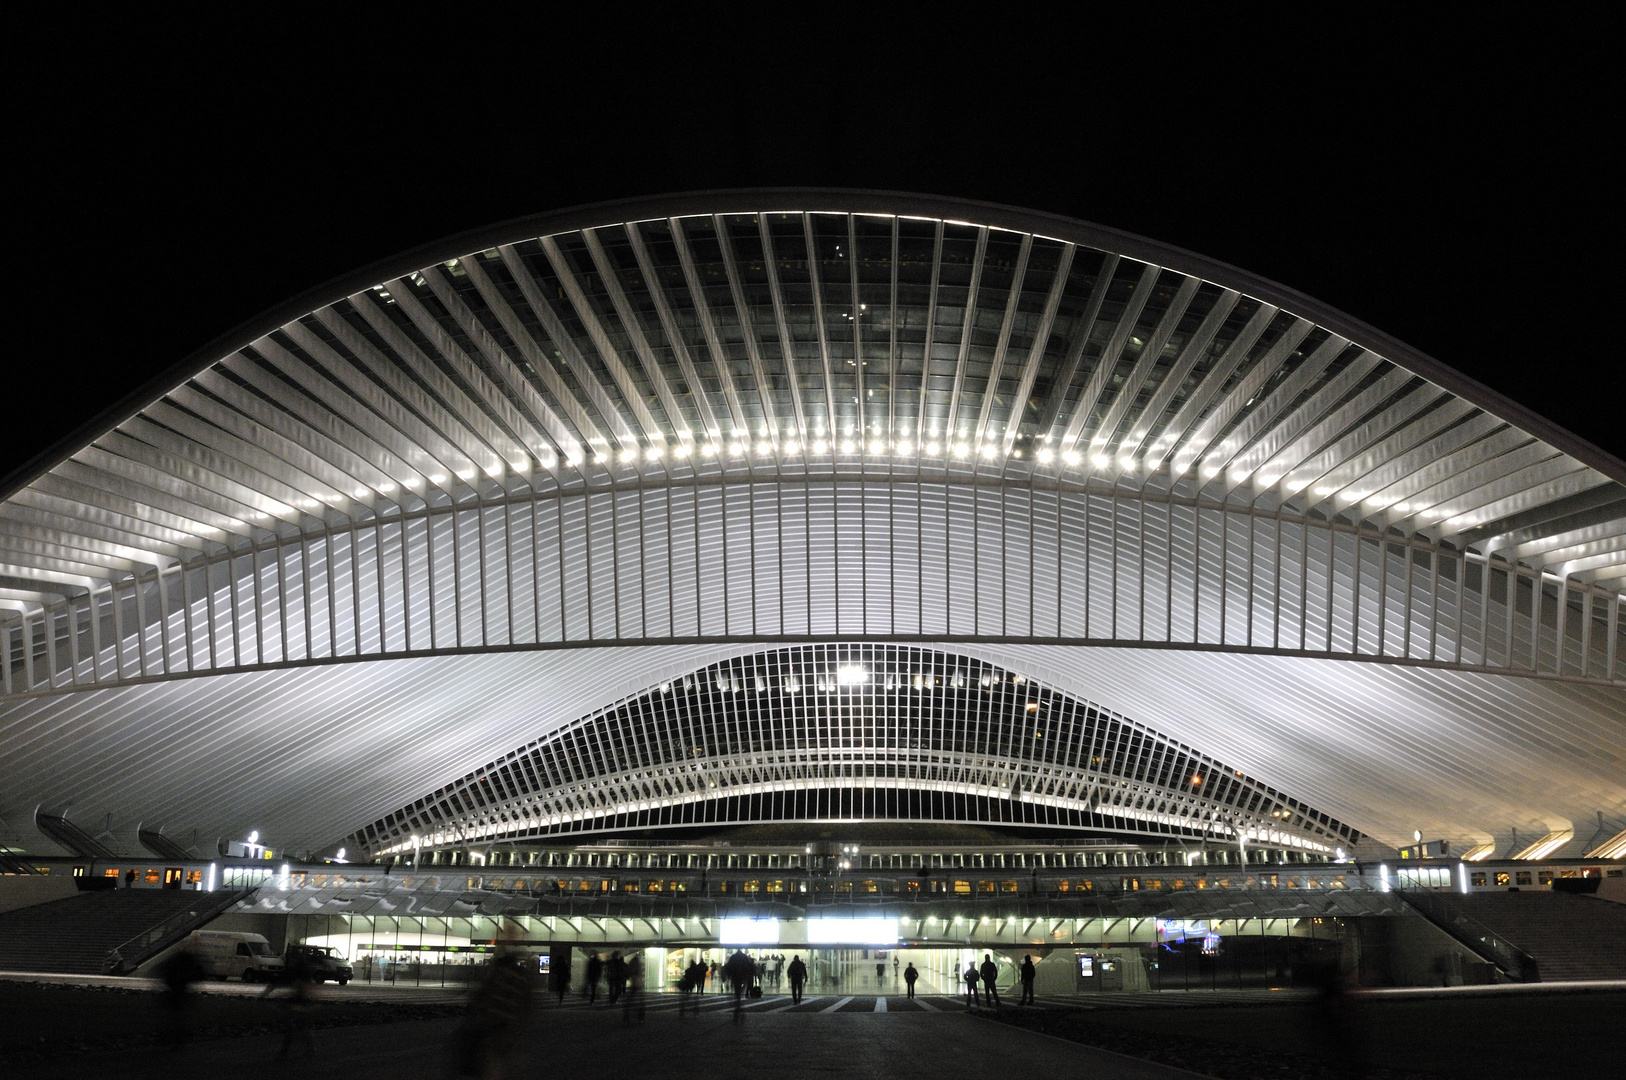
(706,425)
(845,732)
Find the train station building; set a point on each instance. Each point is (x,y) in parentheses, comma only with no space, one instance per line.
(869,575)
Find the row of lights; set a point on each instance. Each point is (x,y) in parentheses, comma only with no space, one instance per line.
(958,451)
(844,676)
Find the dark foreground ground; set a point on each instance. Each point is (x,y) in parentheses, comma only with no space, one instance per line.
(59,1032)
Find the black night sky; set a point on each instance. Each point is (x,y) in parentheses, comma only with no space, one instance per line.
(1456,186)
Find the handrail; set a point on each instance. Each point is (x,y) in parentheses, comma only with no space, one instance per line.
(1439,909)
(150,942)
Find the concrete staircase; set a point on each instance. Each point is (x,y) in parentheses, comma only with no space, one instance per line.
(1570,937)
(74,936)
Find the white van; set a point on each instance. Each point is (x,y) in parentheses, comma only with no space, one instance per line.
(225,954)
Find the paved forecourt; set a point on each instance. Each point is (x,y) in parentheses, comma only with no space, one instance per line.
(858,1036)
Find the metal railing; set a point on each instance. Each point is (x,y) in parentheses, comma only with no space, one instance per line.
(154,940)
(1445,913)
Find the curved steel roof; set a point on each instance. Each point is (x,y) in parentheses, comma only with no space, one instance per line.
(712,421)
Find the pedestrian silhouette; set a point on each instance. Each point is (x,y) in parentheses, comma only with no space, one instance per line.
(798,976)
(990,974)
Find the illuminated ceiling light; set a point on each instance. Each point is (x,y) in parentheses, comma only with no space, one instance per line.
(906,448)
(629,455)
(683,450)
(654,453)
(961,450)
(765,449)
(1100,461)
(1544,847)
(852,675)
(1045,456)
(737,449)
(438,478)
(931,449)
(877,447)
(990,451)
(820,446)
(466,474)
(847,445)
(792,447)
(1072,457)
(1211,470)
(361,493)
(1126,464)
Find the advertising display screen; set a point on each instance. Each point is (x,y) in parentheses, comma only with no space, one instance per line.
(868,930)
(748,931)
(1086,967)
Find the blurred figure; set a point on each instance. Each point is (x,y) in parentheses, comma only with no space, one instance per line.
(739,971)
(595,971)
(694,978)
(1343,1042)
(909,977)
(498,1009)
(298,1007)
(179,972)
(616,972)
(632,1004)
(1029,973)
(971,978)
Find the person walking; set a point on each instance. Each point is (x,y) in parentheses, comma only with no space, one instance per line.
(632,1001)
(909,977)
(880,974)
(971,984)
(595,971)
(739,970)
(1028,974)
(990,975)
(616,971)
(798,976)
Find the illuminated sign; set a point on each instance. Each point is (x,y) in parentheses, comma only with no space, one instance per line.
(868,930)
(747,931)
(1086,967)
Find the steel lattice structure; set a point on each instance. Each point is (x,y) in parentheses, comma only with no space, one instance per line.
(837,733)
(702,425)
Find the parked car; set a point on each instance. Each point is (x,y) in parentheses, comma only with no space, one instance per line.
(317,963)
(226,954)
